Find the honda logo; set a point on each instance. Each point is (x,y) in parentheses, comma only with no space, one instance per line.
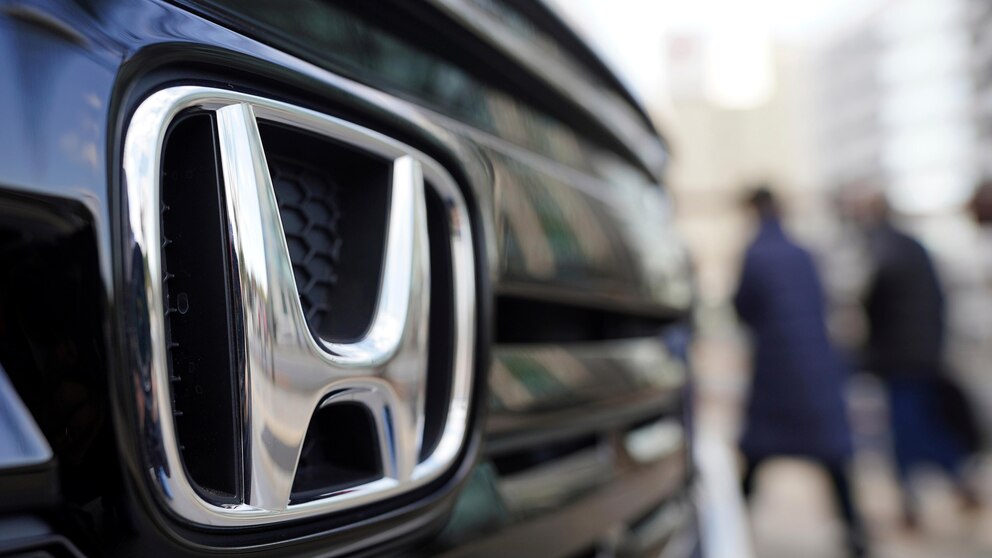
(289,373)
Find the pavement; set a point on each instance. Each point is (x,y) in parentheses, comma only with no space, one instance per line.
(792,513)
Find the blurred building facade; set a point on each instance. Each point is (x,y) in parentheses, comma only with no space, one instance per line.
(979,22)
(894,104)
(903,101)
(721,150)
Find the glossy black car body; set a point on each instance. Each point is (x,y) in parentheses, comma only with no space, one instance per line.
(579,444)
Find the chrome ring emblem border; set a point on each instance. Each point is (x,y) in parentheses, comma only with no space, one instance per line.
(362,368)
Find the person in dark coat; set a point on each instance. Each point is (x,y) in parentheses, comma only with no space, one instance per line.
(906,335)
(796,405)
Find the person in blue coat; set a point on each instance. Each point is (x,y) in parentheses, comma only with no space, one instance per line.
(796,406)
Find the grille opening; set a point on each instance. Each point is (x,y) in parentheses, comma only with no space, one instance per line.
(339,452)
(526,320)
(517,462)
(333,201)
(651,515)
(591,552)
(440,336)
(199,331)
(52,348)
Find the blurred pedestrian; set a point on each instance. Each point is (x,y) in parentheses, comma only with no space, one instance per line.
(981,203)
(905,308)
(796,406)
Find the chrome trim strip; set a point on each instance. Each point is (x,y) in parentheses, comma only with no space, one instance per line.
(554,483)
(287,369)
(578,526)
(546,391)
(564,76)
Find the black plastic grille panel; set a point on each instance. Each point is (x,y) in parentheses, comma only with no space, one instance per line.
(332,201)
(197,309)
(310,211)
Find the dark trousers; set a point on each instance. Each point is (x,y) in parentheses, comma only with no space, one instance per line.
(922,434)
(919,430)
(840,485)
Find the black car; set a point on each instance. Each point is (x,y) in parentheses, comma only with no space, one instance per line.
(333,278)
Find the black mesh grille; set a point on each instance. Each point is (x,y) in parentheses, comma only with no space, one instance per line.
(332,201)
(308,205)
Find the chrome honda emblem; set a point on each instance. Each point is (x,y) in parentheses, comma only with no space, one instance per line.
(288,372)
